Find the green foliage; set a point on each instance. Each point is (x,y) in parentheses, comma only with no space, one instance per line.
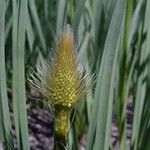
(19,97)
(5,127)
(114,44)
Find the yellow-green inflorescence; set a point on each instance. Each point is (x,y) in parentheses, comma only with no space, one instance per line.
(62,80)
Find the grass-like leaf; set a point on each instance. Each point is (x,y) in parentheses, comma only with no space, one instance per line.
(105,84)
(19,97)
(5,126)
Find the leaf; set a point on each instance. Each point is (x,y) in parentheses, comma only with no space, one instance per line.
(36,20)
(5,125)
(141,82)
(78,14)
(103,97)
(19,97)
(61,16)
(30,33)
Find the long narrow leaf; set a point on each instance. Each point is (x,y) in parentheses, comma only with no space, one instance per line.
(61,16)
(78,14)
(36,20)
(105,85)
(5,126)
(19,97)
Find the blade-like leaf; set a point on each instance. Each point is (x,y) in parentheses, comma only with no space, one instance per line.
(19,97)
(61,16)
(141,82)
(78,14)
(5,125)
(36,20)
(105,84)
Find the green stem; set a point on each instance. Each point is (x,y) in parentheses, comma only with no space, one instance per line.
(62,115)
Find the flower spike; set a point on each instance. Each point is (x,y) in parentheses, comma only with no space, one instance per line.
(62,79)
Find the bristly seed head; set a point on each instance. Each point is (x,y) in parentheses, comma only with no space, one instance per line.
(62,78)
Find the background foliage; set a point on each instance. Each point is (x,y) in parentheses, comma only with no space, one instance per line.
(113,39)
